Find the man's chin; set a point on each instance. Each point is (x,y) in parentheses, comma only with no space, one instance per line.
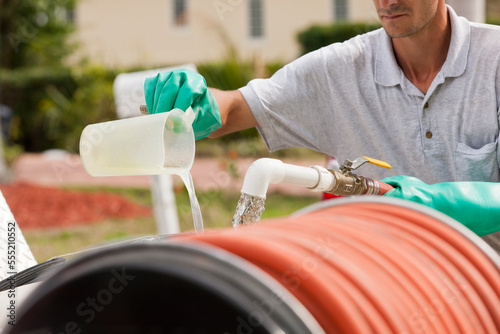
(394,33)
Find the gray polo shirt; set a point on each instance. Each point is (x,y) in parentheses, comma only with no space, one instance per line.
(352,99)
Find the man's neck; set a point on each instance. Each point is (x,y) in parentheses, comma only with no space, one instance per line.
(422,55)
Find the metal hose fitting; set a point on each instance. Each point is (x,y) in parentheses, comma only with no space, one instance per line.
(372,186)
(350,185)
(347,185)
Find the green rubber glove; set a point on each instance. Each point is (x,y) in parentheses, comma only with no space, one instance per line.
(474,204)
(182,89)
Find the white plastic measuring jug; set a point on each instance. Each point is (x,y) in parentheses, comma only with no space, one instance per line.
(144,145)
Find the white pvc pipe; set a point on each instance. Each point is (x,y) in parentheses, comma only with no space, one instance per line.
(266,171)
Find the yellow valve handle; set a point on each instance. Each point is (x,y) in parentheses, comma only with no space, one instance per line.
(379,163)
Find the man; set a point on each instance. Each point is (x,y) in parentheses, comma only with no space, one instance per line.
(423,94)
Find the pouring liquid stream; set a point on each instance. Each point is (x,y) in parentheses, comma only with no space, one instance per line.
(118,147)
(195,206)
(176,139)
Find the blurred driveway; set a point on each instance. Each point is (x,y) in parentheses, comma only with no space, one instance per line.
(58,168)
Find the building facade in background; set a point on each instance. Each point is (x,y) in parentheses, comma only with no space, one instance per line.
(124,33)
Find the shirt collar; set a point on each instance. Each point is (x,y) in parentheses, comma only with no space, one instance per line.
(388,72)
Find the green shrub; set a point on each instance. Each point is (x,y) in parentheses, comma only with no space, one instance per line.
(226,75)
(493,20)
(35,33)
(91,102)
(230,74)
(318,36)
(273,67)
(25,91)
(52,105)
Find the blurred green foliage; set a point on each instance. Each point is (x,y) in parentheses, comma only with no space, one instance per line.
(53,105)
(318,36)
(53,102)
(227,74)
(34,32)
(34,42)
(493,20)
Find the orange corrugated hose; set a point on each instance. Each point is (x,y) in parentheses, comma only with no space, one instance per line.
(367,267)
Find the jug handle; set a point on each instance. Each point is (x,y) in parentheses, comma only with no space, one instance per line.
(189,115)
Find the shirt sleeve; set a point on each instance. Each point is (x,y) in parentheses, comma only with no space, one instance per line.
(498,112)
(498,140)
(289,104)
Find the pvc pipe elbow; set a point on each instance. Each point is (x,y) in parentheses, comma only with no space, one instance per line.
(266,171)
(260,174)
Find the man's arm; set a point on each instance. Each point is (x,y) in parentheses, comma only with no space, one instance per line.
(234,111)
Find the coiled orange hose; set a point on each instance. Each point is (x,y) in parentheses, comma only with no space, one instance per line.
(376,267)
